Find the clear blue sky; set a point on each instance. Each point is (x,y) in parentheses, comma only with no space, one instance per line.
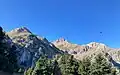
(79,21)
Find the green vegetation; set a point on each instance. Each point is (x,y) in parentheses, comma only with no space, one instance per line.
(67,65)
(85,67)
(101,66)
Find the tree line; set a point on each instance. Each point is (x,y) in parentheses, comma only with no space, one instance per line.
(67,65)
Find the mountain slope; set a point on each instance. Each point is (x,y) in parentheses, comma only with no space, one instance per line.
(91,49)
(30,47)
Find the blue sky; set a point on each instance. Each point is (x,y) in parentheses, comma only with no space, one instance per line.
(79,21)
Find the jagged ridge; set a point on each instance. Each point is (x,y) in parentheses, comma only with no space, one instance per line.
(91,49)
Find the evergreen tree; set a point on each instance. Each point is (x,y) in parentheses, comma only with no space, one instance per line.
(85,66)
(62,63)
(72,66)
(56,69)
(3,60)
(8,60)
(43,67)
(101,66)
(68,65)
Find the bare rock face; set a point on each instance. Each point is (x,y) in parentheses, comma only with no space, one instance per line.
(91,49)
(96,45)
(20,30)
(60,41)
(30,47)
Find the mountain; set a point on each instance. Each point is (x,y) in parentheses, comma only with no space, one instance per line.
(30,47)
(91,49)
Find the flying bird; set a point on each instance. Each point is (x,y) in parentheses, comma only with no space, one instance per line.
(100,32)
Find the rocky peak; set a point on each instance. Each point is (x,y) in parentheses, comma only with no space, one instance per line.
(20,30)
(60,41)
(95,44)
(77,50)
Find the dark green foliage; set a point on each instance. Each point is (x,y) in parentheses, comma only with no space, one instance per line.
(68,65)
(101,66)
(63,62)
(56,68)
(43,67)
(8,61)
(98,66)
(71,66)
(85,66)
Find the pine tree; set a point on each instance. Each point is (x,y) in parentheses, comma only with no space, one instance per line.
(3,60)
(68,65)
(56,68)
(62,63)
(8,60)
(85,66)
(71,66)
(43,67)
(101,66)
